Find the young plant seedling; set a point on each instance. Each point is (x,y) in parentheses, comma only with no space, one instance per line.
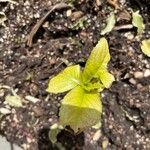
(81,107)
(138,22)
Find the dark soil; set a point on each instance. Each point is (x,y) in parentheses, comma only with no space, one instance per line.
(126,105)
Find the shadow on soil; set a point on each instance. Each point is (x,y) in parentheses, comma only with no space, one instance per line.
(65,141)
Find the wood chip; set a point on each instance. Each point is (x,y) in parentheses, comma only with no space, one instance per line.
(105,144)
(97,135)
(32,99)
(5,111)
(98,2)
(124,15)
(38,111)
(114,3)
(76,15)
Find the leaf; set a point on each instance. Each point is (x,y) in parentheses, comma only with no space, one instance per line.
(146,47)
(97,60)
(71,2)
(137,21)
(79,24)
(55,129)
(105,77)
(110,24)
(15,101)
(93,86)
(80,109)
(66,80)
(97,126)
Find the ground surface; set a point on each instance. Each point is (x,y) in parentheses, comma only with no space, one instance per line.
(59,42)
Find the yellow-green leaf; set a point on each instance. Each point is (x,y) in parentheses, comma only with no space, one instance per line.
(105,77)
(80,109)
(15,101)
(93,86)
(146,47)
(110,24)
(66,80)
(137,21)
(55,129)
(97,60)
(97,126)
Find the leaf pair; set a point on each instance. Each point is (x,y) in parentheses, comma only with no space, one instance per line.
(137,21)
(81,107)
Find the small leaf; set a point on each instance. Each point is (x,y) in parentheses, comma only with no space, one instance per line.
(93,86)
(146,47)
(137,21)
(15,101)
(55,129)
(71,2)
(110,24)
(97,126)
(79,24)
(105,77)
(80,109)
(65,80)
(97,60)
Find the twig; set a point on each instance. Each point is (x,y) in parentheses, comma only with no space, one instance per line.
(39,24)
(11,1)
(122,27)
